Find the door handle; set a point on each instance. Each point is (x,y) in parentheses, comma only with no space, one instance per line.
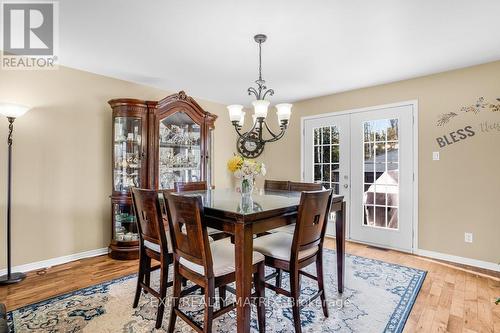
(346,185)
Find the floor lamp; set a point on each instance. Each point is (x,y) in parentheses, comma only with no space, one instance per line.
(11,111)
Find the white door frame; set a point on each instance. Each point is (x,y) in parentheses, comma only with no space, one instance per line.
(414,104)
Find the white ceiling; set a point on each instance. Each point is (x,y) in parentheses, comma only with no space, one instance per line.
(314,48)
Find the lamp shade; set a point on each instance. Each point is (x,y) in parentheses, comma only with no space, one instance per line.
(235,112)
(283,111)
(260,108)
(13,110)
(242,119)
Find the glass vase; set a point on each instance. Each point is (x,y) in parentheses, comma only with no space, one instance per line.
(246,186)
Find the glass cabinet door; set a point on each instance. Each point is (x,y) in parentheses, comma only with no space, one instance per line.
(125,228)
(179,150)
(127,164)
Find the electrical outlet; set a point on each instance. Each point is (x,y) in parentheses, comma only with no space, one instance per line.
(435,156)
(468,237)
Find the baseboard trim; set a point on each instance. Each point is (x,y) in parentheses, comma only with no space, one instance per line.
(56,261)
(459,260)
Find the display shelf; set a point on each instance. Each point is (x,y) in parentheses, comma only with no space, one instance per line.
(154,144)
(174,145)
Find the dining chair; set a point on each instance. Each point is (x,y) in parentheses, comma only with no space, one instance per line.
(298,187)
(199,186)
(154,243)
(190,186)
(292,253)
(276,185)
(208,265)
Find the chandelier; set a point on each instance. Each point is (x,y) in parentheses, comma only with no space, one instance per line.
(251,144)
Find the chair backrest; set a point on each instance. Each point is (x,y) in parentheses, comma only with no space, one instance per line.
(149,218)
(276,185)
(311,220)
(191,243)
(190,186)
(299,187)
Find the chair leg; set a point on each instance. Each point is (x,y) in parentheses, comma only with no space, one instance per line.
(148,272)
(222,295)
(279,277)
(176,298)
(140,278)
(295,291)
(163,292)
(321,285)
(209,306)
(259,279)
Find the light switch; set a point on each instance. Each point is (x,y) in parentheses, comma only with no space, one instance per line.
(435,156)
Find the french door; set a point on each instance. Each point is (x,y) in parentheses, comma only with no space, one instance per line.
(367,157)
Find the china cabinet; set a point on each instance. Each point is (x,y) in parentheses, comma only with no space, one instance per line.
(155,144)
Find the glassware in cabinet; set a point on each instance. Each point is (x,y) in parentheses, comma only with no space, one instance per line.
(179,150)
(127,142)
(125,227)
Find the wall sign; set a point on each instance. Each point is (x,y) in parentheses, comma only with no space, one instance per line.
(461,134)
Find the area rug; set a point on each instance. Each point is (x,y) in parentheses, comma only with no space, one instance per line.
(378,297)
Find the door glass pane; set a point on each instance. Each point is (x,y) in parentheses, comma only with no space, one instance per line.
(179,153)
(327,157)
(381,173)
(127,153)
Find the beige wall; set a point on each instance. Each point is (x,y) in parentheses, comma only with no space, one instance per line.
(459,193)
(62,160)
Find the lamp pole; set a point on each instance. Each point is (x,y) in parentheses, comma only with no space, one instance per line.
(10,277)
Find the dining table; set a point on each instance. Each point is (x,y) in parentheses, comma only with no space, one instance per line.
(244,216)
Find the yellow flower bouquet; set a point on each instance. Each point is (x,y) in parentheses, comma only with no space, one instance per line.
(246,170)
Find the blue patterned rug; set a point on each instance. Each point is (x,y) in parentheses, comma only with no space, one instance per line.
(378,297)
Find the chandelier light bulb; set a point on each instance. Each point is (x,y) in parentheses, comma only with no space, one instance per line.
(283,111)
(242,119)
(260,108)
(235,112)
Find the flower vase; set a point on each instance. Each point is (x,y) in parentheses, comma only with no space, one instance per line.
(246,186)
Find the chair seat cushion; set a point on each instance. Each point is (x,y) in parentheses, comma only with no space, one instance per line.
(289,229)
(156,247)
(279,246)
(213,231)
(222,257)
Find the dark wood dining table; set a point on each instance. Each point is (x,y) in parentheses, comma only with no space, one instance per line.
(244,216)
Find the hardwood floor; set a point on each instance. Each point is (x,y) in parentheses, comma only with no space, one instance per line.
(452,299)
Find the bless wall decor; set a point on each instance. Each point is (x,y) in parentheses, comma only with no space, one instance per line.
(251,143)
(480,105)
(155,145)
(466,132)
(11,111)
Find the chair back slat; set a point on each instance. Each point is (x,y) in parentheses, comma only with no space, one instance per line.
(191,242)
(311,220)
(299,187)
(276,185)
(190,186)
(149,217)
